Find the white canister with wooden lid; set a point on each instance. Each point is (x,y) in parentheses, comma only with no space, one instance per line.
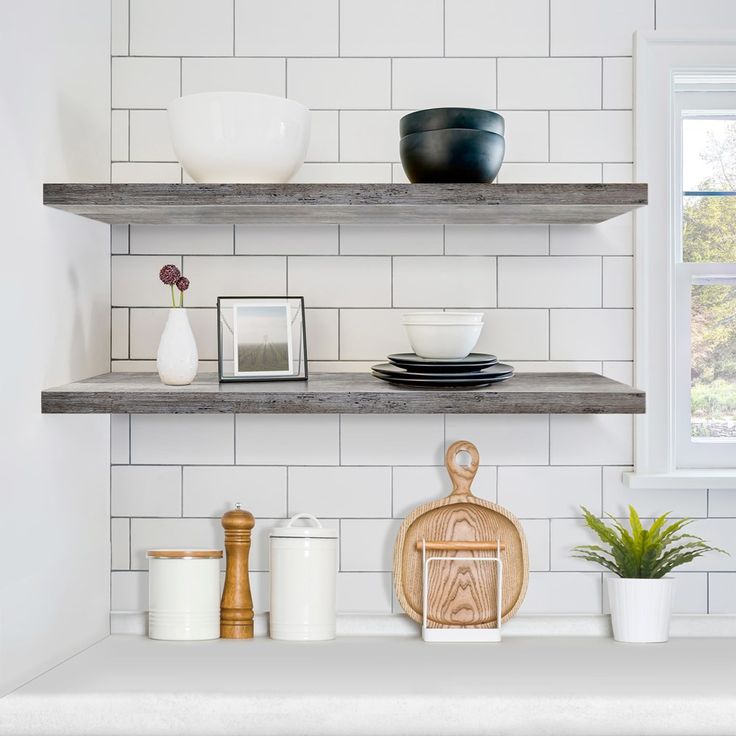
(303,580)
(184,594)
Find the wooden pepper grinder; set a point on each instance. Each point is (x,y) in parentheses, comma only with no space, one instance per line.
(236,607)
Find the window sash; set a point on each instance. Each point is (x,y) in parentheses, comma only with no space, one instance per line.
(692,453)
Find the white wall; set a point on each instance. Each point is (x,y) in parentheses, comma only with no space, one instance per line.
(54,323)
(555,298)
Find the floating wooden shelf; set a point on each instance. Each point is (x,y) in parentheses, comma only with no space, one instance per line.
(511,204)
(346,393)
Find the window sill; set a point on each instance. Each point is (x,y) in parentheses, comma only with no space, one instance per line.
(696,478)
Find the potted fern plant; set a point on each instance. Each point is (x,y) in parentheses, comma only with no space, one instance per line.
(640,593)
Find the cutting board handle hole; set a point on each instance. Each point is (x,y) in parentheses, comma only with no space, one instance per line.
(462,461)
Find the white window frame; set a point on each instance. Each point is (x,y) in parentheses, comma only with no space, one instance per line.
(691,453)
(659,57)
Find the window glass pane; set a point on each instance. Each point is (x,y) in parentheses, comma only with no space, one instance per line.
(709,154)
(713,366)
(709,229)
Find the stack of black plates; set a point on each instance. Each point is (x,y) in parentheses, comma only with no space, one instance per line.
(476,369)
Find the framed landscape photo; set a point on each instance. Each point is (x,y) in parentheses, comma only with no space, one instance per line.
(261,338)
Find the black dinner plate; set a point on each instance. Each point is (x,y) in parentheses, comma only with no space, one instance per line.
(395,371)
(441,382)
(472,362)
(450,383)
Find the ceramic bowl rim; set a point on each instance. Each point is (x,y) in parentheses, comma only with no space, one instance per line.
(443,324)
(405,138)
(451,110)
(412,315)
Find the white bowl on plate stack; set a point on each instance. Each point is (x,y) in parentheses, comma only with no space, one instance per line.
(443,335)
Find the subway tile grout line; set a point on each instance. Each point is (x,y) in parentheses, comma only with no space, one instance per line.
(288,492)
(444,28)
(396,162)
(339,330)
(235,440)
(391,83)
(369,57)
(133,108)
(339,440)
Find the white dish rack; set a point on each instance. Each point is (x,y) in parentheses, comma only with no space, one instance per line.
(457,633)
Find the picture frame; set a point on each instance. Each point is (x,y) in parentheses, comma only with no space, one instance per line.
(261,338)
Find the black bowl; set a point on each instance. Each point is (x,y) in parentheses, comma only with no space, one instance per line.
(452,156)
(439,118)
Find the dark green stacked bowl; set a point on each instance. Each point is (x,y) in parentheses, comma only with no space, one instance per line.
(452,145)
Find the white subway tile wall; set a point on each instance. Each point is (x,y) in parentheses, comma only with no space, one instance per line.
(555,298)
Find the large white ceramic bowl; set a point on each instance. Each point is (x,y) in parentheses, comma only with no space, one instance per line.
(442,317)
(239,137)
(443,341)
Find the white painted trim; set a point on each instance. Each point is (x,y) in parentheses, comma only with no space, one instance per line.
(691,452)
(681,479)
(657,58)
(393,625)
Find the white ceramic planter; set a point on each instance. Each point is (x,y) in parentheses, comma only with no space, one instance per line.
(640,609)
(177,357)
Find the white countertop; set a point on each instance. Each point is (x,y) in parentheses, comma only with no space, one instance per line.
(366,686)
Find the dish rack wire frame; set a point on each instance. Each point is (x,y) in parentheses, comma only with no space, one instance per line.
(457,634)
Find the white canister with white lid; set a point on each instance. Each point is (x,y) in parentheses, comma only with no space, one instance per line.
(184,594)
(303,581)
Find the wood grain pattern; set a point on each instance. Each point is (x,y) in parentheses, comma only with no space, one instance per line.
(461,593)
(346,203)
(343,393)
(236,607)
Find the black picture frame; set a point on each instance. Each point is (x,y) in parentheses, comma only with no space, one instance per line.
(298,336)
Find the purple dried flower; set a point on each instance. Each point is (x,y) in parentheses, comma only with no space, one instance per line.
(182,283)
(169,274)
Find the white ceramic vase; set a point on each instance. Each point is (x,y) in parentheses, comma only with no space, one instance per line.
(177,356)
(640,608)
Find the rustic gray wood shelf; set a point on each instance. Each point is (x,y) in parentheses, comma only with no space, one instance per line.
(514,204)
(346,393)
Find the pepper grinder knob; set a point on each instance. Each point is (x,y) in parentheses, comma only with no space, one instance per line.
(236,607)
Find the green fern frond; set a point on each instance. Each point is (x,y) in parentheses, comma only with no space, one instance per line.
(640,552)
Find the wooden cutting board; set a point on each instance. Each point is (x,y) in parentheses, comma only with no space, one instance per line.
(462,593)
